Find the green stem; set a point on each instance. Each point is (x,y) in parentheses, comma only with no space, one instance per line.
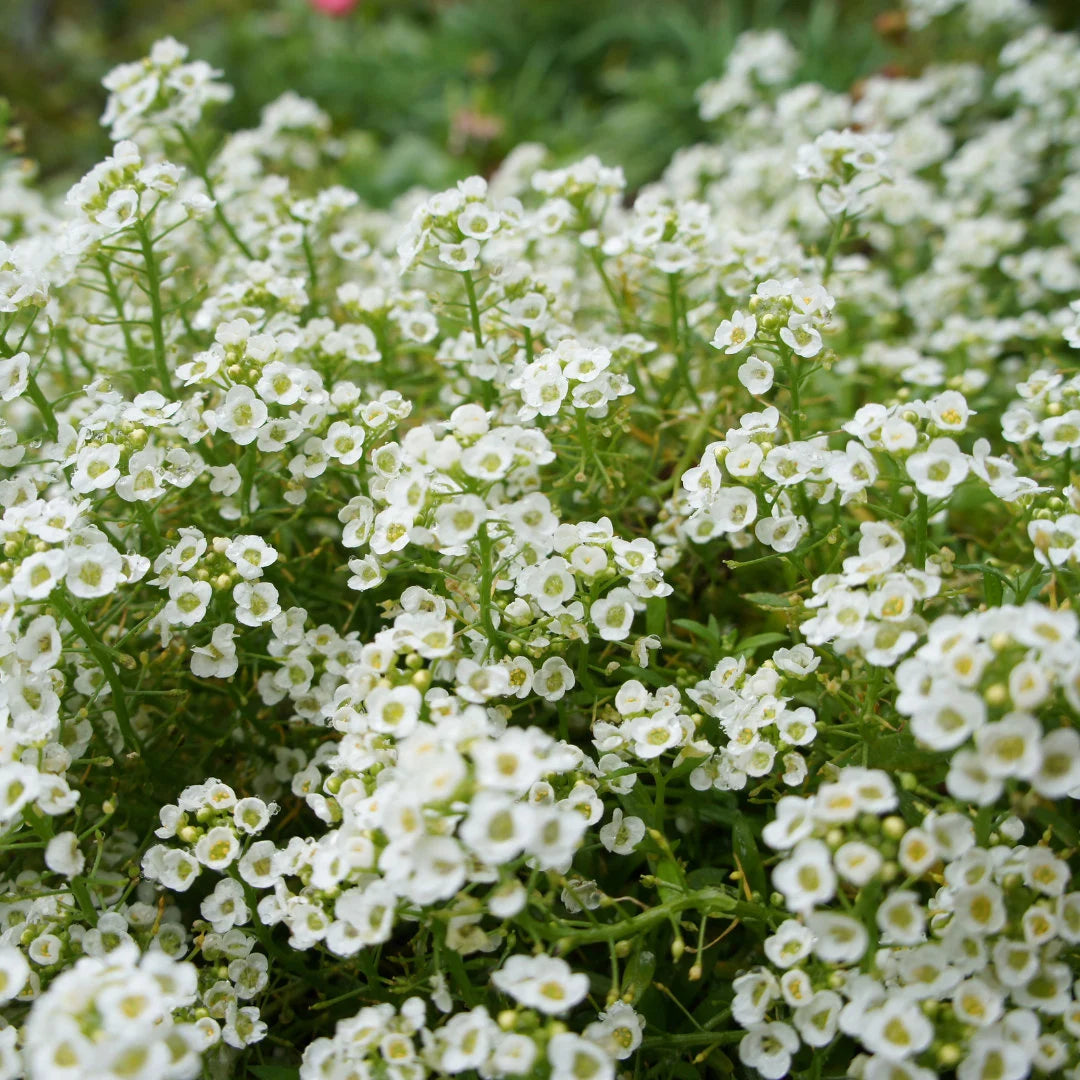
(598,262)
(678,340)
(118,304)
(42,403)
(33,390)
(487,576)
(474,309)
(921,517)
(101,655)
(204,174)
(711,902)
(693,444)
(83,899)
(153,282)
(690,1039)
(834,245)
(248,478)
(791,372)
(313,274)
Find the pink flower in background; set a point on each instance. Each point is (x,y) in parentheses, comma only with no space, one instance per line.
(335,7)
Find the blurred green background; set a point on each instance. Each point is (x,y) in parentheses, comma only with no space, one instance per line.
(436,89)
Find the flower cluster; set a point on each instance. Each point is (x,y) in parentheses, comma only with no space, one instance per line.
(642,626)
(399,1043)
(975,929)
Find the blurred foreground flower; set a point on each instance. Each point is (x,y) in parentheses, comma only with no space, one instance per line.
(335,7)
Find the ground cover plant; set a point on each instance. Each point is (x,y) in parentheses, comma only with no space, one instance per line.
(545,630)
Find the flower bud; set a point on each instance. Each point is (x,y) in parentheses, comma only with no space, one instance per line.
(894,827)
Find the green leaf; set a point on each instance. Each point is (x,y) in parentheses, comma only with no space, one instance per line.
(656,615)
(717,815)
(745,847)
(750,645)
(275,1072)
(697,629)
(644,675)
(705,876)
(769,600)
(638,973)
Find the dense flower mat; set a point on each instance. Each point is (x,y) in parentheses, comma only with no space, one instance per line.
(541,630)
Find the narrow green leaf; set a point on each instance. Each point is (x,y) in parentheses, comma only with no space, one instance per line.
(769,600)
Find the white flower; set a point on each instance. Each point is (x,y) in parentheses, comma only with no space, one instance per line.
(478,221)
(14,375)
(541,982)
(367,573)
(801,337)
(857,862)
(969,780)
(256,604)
(458,520)
(93,571)
(818,1019)
(618,1030)
(917,852)
(949,411)
(756,375)
(574,1058)
(1010,747)
(241,415)
(897,1030)
(95,468)
(937,470)
(1045,873)
(187,601)
(755,991)
(735,334)
(252,815)
(39,647)
(613,614)
(497,828)
(621,835)
(250,554)
(225,908)
(14,971)
(553,679)
(1059,772)
(789,944)
(218,658)
(806,876)
(733,509)
(279,384)
(345,442)
(744,461)
(767,1048)
(173,867)
(217,848)
(460,257)
(654,733)
(393,710)
(62,855)
(793,822)
(993,1055)
(949,718)
(975,1003)
(901,919)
